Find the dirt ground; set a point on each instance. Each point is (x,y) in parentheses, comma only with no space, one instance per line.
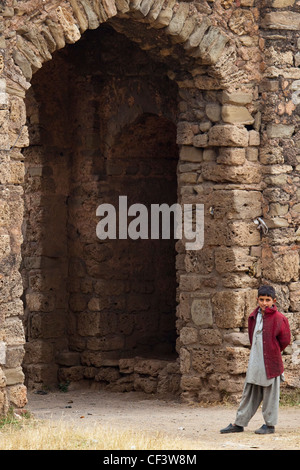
(136,411)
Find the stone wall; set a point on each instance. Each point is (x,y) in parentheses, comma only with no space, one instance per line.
(233,70)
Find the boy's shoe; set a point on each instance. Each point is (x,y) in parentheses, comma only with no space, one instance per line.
(232,428)
(265,430)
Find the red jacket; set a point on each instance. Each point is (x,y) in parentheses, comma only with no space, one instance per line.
(276,337)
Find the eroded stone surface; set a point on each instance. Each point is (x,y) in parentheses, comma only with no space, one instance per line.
(211,107)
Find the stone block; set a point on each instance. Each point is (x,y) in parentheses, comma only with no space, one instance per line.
(277,209)
(37,302)
(29,52)
(228,136)
(126,365)
(88,323)
(252,154)
(237,339)
(11,309)
(201,312)
(246,173)
(14,332)
(212,45)
(229,308)
(2,381)
(2,353)
(68,358)
(145,384)
(3,88)
(234,204)
(145,6)
(48,325)
(56,31)
(188,335)
(109,8)
(70,29)
(246,204)
(123,6)
(220,362)
(4,245)
(185,361)
(14,356)
(234,387)
(196,37)
(210,337)
(250,301)
(165,15)
(202,361)
(209,155)
(213,112)
(233,259)
(178,20)
(188,154)
(14,376)
(18,395)
(200,140)
(216,232)
(236,98)
(169,383)
(241,21)
(205,126)
(3,98)
(80,14)
(155,9)
(199,261)
(231,156)
(288,72)
(282,3)
(190,383)
(190,282)
(185,133)
(107,374)
(4,214)
(295,296)
(280,131)
(242,233)
(286,20)
(187,178)
(23,63)
(236,115)
(150,367)
(237,360)
(280,267)
(68,374)
(187,30)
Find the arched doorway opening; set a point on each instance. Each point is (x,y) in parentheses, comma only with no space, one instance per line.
(102,123)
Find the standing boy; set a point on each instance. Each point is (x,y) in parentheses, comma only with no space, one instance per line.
(269,334)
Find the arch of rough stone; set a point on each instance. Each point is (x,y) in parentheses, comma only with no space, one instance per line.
(199,35)
(218,138)
(201,56)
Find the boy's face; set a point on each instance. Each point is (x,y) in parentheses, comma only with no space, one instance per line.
(265,301)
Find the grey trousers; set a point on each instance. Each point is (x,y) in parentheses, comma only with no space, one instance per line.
(252,397)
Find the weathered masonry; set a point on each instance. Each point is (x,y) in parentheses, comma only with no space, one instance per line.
(163,101)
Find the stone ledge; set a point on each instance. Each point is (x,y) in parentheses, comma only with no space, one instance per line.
(287,20)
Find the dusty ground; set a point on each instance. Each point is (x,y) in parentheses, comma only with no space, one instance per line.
(136,411)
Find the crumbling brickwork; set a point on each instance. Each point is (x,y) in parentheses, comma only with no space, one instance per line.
(162,101)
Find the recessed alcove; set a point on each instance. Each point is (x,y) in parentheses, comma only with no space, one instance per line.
(102,124)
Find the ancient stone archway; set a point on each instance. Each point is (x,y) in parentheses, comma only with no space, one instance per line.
(211,53)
